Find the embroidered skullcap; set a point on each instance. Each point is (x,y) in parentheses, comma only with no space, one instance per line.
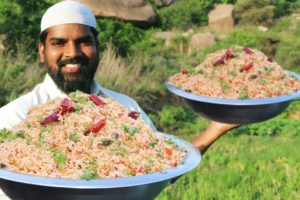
(68,12)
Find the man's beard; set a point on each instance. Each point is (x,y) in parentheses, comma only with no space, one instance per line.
(79,80)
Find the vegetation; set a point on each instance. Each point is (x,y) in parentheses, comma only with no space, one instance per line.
(255,161)
(243,167)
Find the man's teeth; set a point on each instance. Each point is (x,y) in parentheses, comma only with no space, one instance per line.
(72,65)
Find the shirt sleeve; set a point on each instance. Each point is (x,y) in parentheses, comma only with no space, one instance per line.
(15,111)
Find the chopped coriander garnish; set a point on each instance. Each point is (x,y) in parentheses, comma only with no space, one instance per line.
(253,76)
(60,159)
(47,129)
(77,108)
(42,138)
(233,73)
(28,124)
(169,141)
(153,144)
(78,97)
(244,93)
(106,142)
(268,69)
(130,130)
(133,130)
(91,104)
(40,118)
(120,151)
(6,134)
(75,137)
(20,134)
(29,140)
(88,175)
(224,86)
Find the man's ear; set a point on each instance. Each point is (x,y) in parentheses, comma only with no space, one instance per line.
(42,52)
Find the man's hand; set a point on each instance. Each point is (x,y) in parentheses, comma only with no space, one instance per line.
(211,134)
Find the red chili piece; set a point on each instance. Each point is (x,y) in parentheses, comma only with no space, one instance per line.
(228,54)
(220,61)
(247,67)
(184,71)
(248,50)
(96,100)
(96,127)
(270,59)
(66,106)
(51,118)
(134,114)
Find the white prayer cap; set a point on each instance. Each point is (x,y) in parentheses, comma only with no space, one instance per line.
(68,12)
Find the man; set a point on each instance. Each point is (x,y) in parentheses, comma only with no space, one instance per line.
(70,51)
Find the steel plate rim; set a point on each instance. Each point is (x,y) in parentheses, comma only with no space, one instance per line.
(192,159)
(235,102)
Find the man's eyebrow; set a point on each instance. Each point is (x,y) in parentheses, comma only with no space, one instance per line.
(57,39)
(84,38)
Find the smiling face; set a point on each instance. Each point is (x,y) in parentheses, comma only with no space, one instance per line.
(71,55)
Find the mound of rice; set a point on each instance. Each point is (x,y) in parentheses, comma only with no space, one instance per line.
(236,73)
(85,137)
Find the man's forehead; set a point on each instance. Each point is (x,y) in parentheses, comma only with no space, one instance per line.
(69,30)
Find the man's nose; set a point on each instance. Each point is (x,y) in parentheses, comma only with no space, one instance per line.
(72,50)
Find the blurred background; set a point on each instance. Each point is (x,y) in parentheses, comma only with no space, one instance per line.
(143,43)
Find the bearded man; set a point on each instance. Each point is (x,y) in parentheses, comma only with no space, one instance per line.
(69,49)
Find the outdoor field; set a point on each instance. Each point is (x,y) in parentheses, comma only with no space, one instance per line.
(253,161)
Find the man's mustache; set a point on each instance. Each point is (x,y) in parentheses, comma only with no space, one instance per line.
(80,60)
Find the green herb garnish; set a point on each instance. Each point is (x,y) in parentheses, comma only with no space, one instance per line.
(75,137)
(224,86)
(244,93)
(106,142)
(88,175)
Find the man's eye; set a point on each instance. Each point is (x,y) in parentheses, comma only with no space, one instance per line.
(87,42)
(58,43)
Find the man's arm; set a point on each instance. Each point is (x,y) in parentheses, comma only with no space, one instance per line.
(205,139)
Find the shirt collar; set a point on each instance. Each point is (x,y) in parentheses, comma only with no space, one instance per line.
(53,91)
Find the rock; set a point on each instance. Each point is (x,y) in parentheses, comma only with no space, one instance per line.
(188,33)
(162,3)
(262,28)
(201,40)
(129,10)
(221,37)
(220,19)
(167,36)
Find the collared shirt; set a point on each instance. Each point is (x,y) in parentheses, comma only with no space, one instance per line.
(15,111)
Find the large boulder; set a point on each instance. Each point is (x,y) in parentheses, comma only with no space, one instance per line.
(201,40)
(167,36)
(138,11)
(162,3)
(220,19)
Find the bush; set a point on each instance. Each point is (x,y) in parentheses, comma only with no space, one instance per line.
(121,34)
(287,123)
(262,12)
(255,12)
(20,22)
(179,121)
(184,14)
(17,76)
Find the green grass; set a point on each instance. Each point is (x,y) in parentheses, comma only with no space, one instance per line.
(243,167)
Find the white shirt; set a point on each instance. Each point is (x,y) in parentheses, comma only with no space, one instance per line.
(14,112)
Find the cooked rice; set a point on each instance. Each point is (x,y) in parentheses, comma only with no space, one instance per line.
(123,147)
(237,73)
